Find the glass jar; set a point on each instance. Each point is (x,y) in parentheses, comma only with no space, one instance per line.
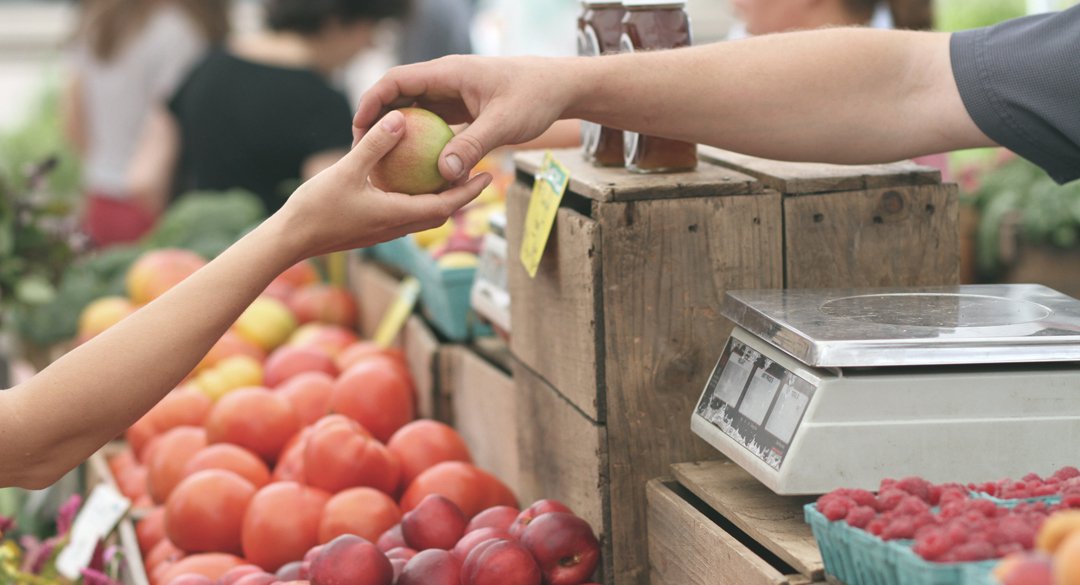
(651,25)
(599,33)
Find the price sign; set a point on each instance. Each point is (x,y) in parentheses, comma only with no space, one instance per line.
(548,190)
(99,515)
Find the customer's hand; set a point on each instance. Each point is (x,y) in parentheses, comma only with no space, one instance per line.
(505,100)
(340,209)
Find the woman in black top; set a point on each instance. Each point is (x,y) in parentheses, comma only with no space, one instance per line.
(260,114)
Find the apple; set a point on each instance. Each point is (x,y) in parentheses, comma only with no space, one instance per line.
(234,574)
(293,571)
(399,566)
(256,579)
(539,507)
(351,560)
(391,539)
(471,539)
(564,546)
(436,522)
(502,562)
(412,166)
(309,556)
(500,517)
(432,567)
(400,552)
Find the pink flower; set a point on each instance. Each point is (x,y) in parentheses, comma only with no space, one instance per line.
(65,516)
(6,524)
(93,577)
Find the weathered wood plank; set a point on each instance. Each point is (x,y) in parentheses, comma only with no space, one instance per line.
(666,265)
(898,236)
(562,453)
(794,178)
(617,184)
(421,349)
(774,521)
(555,314)
(484,411)
(374,290)
(687,548)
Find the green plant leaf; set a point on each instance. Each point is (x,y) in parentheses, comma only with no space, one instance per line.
(35,290)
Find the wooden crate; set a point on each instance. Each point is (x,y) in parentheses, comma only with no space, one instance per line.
(620,329)
(715,524)
(480,401)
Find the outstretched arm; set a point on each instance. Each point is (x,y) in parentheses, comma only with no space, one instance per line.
(835,95)
(57,419)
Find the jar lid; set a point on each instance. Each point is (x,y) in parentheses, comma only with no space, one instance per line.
(637,3)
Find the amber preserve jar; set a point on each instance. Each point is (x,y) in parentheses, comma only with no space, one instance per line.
(650,25)
(599,33)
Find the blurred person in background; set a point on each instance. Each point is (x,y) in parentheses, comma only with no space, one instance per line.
(260,113)
(436,28)
(127,55)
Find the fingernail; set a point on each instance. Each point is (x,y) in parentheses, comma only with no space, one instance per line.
(453,162)
(393,121)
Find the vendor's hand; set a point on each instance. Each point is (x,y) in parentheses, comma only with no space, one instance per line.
(340,209)
(505,100)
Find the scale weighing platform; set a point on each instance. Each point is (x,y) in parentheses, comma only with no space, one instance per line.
(822,389)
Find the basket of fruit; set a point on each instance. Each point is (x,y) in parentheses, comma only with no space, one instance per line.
(913,532)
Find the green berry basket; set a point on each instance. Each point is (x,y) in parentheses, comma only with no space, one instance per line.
(445,293)
(857,557)
(1012,503)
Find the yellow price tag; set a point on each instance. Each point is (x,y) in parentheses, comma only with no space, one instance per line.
(399,311)
(548,190)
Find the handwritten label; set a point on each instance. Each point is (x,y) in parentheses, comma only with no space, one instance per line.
(99,515)
(548,189)
(398,313)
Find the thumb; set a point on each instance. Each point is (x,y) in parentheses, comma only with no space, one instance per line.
(467,148)
(377,141)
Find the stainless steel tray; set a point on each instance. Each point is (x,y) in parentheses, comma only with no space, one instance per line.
(968,324)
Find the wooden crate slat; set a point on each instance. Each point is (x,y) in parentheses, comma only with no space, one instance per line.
(374,289)
(794,178)
(562,451)
(687,548)
(774,521)
(666,265)
(618,184)
(556,312)
(421,349)
(484,405)
(897,236)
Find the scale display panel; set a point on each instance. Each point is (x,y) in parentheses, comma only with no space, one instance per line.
(755,401)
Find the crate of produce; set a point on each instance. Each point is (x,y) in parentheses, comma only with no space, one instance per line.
(614,333)
(713,523)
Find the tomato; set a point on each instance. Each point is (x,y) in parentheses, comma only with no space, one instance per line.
(139,435)
(163,552)
(471,488)
(362,350)
(254,418)
(181,407)
(150,530)
(375,394)
(133,482)
(169,456)
(282,523)
(233,458)
(309,394)
(210,565)
(365,512)
(290,466)
(421,444)
(288,361)
(339,455)
(205,511)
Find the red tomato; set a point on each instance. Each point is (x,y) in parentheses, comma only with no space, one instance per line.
(167,458)
(254,418)
(339,455)
(282,523)
(205,512)
(375,394)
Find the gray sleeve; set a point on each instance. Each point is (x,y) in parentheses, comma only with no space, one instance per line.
(1020,82)
(436,28)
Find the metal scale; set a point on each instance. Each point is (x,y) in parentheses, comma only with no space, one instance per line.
(821,389)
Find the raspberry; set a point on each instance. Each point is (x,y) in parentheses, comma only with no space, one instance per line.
(973,551)
(876,526)
(932,544)
(860,516)
(912,506)
(863,498)
(1004,550)
(952,494)
(1032,477)
(923,520)
(890,498)
(915,486)
(1066,473)
(836,509)
(899,528)
(1045,490)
